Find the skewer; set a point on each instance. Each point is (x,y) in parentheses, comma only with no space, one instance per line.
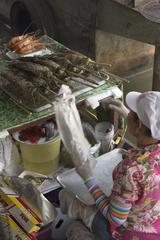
(45,98)
(90,71)
(80,76)
(51,91)
(25,30)
(22,107)
(106,78)
(122,79)
(83,83)
(104,64)
(64,81)
(85,69)
(69,63)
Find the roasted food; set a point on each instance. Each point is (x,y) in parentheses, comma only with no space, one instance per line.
(25,44)
(34,68)
(25,91)
(34,82)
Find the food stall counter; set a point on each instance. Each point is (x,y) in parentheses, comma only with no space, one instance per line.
(15,116)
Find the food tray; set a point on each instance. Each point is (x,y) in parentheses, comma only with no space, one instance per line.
(24,99)
(41,105)
(42,182)
(102,171)
(47,51)
(31,106)
(13,55)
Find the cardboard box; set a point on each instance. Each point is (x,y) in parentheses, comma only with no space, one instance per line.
(16,231)
(23,218)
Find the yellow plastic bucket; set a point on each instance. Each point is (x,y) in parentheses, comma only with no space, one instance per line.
(43,157)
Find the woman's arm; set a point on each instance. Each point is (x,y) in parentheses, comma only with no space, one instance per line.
(124,193)
(115,105)
(114,208)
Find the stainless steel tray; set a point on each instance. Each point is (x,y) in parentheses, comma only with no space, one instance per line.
(102,171)
(78,87)
(33,107)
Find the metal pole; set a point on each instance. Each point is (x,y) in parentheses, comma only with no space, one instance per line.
(156,69)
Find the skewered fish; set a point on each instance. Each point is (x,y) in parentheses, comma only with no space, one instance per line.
(33,68)
(25,88)
(38,79)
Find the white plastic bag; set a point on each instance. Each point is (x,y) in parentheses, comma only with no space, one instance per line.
(10,162)
(70,127)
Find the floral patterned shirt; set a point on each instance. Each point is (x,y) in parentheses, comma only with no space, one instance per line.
(138,178)
(135,197)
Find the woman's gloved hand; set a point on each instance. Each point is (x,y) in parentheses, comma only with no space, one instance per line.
(70,127)
(85,169)
(75,209)
(116,105)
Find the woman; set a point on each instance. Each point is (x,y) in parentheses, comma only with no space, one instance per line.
(132,212)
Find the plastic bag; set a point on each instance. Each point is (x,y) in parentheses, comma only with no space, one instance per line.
(10,162)
(70,127)
(91,137)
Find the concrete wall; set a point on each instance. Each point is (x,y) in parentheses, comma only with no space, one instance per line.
(123,54)
(132,3)
(75,22)
(126,2)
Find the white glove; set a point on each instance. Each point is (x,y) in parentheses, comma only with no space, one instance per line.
(70,128)
(85,169)
(116,105)
(75,209)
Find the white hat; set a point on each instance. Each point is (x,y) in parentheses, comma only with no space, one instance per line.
(147,107)
(150,9)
